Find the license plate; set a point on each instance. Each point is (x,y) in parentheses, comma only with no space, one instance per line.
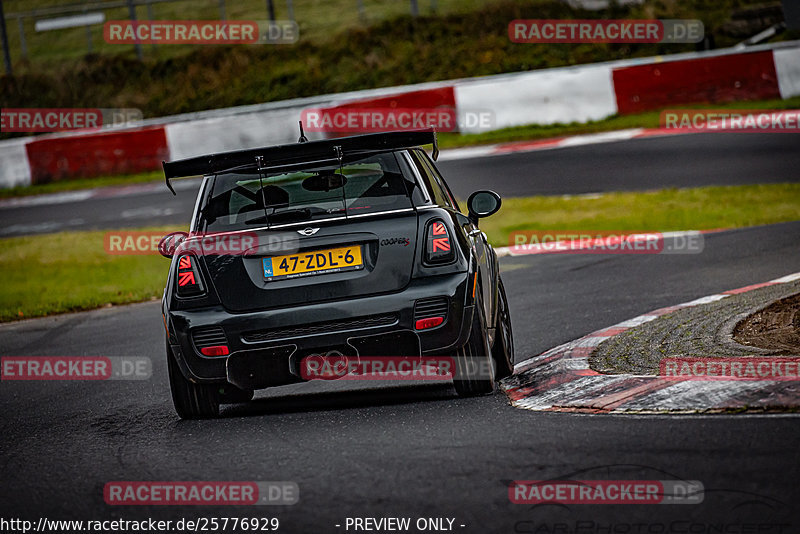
(329,260)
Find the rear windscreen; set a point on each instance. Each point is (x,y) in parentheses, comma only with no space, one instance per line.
(321,191)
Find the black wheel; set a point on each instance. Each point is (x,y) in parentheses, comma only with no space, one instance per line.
(474,365)
(503,350)
(192,401)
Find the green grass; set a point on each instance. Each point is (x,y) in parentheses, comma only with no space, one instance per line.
(318,20)
(71,271)
(66,272)
(704,208)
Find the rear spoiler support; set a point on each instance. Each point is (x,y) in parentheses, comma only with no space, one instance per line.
(169,185)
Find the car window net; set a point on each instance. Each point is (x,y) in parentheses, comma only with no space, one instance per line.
(365,185)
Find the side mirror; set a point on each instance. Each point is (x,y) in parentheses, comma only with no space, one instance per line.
(482,204)
(170,242)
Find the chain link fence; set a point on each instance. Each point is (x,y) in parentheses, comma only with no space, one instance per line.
(29,34)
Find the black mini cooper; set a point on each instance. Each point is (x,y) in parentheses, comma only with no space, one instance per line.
(352,246)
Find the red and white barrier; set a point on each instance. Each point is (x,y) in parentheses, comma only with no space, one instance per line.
(220,134)
(787,68)
(747,76)
(96,154)
(549,96)
(15,170)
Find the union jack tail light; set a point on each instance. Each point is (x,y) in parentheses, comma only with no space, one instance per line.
(438,243)
(188,280)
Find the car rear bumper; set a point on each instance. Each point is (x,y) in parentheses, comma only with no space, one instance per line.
(266,348)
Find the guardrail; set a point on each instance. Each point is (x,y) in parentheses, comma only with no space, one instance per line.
(94,13)
(559,95)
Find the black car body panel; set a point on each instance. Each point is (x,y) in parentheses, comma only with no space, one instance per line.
(229,274)
(268,324)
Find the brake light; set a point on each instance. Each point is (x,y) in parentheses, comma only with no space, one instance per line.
(430,322)
(189,283)
(215,350)
(438,245)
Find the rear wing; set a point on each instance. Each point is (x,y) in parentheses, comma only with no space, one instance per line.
(298,153)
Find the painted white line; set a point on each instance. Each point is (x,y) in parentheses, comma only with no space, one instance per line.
(146,213)
(35,228)
(703,300)
(636,321)
(40,200)
(467,152)
(590,341)
(99,192)
(518,147)
(40,227)
(786,279)
(605,137)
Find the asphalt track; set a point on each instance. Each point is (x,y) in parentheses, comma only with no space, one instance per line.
(639,164)
(404,450)
(409,450)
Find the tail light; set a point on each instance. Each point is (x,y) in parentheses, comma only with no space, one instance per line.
(210,341)
(438,244)
(430,312)
(189,282)
(430,322)
(215,350)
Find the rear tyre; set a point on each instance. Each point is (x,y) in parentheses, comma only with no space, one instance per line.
(230,394)
(192,401)
(474,365)
(503,350)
